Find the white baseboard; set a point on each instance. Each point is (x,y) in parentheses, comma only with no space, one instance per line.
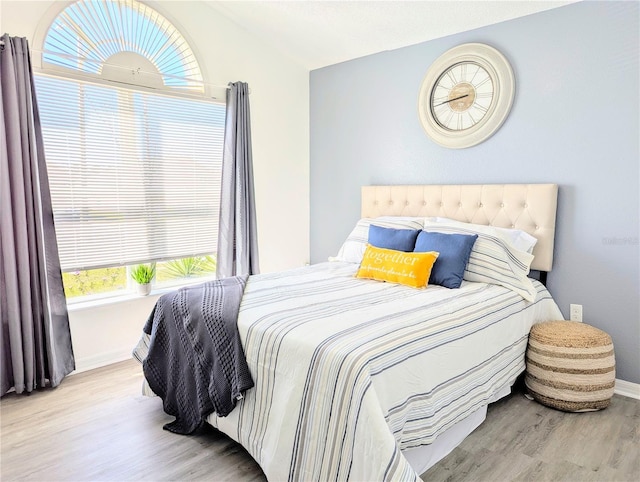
(101,360)
(627,389)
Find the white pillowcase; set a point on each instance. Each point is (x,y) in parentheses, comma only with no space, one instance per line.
(353,248)
(494,259)
(519,239)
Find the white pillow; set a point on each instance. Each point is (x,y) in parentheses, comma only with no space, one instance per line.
(493,259)
(519,239)
(353,248)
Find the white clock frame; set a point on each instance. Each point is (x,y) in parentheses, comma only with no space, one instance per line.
(498,68)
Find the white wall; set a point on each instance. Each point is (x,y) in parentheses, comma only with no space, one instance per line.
(280,128)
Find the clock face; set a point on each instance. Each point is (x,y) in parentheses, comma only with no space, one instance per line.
(461,96)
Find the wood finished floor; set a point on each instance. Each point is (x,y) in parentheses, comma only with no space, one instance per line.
(96,427)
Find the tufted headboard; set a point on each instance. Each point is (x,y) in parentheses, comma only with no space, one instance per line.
(529,207)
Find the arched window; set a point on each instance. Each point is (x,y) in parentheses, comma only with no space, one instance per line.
(113,38)
(134,172)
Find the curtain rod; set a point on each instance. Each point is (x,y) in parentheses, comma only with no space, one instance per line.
(131,69)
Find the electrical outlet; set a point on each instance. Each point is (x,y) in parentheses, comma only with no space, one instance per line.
(575,312)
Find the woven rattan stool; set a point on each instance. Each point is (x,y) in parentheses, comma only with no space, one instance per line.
(570,366)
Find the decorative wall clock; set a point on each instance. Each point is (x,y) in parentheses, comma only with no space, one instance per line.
(466,95)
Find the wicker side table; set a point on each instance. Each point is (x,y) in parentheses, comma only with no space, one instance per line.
(570,366)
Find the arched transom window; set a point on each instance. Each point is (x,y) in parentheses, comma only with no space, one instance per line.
(117,39)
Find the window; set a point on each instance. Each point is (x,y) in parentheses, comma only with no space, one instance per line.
(134,173)
(100,37)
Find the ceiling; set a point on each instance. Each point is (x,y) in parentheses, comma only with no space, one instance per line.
(320,33)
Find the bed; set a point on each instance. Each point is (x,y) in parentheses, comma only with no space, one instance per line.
(357,379)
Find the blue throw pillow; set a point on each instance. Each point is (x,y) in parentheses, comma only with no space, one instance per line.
(454,250)
(389,238)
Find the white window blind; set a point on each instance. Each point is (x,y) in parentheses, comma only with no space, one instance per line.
(134,176)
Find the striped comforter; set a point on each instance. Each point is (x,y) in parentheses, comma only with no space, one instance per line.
(350,372)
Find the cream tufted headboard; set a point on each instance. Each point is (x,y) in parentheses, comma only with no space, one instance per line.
(529,207)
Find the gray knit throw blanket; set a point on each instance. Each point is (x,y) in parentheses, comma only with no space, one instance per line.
(196,363)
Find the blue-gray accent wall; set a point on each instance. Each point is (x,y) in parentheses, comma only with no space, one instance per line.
(574,122)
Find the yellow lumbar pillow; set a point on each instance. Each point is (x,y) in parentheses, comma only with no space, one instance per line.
(411,269)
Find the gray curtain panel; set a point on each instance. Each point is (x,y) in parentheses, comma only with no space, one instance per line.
(237,236)
(35,337)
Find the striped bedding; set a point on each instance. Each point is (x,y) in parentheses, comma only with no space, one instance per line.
(350,372)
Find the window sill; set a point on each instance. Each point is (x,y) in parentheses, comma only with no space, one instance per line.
(129,296)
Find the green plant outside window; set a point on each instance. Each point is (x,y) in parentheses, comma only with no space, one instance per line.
(114,280)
